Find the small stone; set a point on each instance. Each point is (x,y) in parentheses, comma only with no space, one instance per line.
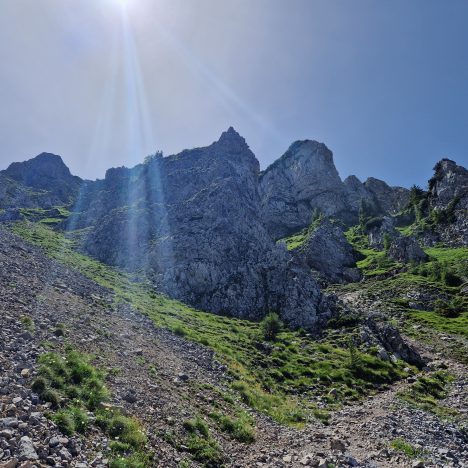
(53,442)
(130,397)
(323,463)
(25,373)
(287,458)
(27,450)
(338,445)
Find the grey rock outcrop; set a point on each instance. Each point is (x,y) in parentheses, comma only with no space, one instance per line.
(406,249)
(42,182)
(390,338)
(401,248)
(305,180)
(448,199)
(327,251)
(388,199)
(193,223)
(379,229)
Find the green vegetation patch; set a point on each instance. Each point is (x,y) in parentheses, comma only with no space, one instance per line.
(74,387)
(427,392)
(406,448)
(201,444)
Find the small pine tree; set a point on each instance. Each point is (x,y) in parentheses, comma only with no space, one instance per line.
(271,326)
(387,240)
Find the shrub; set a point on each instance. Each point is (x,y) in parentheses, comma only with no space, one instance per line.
(127,430)
(271,326)
(51,396)
(205,450)
(28,323)
(238,428)
(39,385)
(179,330)
(64,421)
(197,425)
(449,309)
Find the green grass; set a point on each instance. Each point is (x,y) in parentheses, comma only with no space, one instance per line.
(239,428)
(406,448)
(266,378)
(201,444)
(427,392)
(455,325)
(296,241)
(28,323)
(75,387)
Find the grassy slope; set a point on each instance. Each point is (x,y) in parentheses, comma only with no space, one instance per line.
(398,287)
(269,379)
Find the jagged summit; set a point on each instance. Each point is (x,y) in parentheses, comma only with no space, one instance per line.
(232,140)
(44,163)
(308,149)
(46,172)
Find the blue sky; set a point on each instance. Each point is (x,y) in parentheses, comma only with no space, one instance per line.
(383,83)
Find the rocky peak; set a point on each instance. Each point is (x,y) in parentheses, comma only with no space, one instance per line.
(388,199)
(450,181)
(303,180)
(352,182)
(232,141)
(32,172)
(46,172)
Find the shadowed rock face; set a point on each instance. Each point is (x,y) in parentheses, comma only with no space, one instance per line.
(48,179)
(193,222)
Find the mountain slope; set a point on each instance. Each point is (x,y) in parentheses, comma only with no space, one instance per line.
(167,382)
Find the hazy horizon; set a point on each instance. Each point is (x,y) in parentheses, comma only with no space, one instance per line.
(383,85)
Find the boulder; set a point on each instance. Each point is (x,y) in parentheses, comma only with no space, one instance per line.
(406,249)
(327,251)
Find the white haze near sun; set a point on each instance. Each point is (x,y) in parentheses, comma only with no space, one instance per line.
(105,82)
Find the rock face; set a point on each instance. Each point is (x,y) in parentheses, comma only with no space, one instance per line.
(193,222)
(406,249)
(43,181)
(401,248)
(387,199)
(305,179)
(448,199)
(327,251)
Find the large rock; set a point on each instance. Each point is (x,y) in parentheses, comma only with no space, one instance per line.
(405,249)
(389,337)
(327,251)
(304,179)
(389,200)
(193,223)
(448,201)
